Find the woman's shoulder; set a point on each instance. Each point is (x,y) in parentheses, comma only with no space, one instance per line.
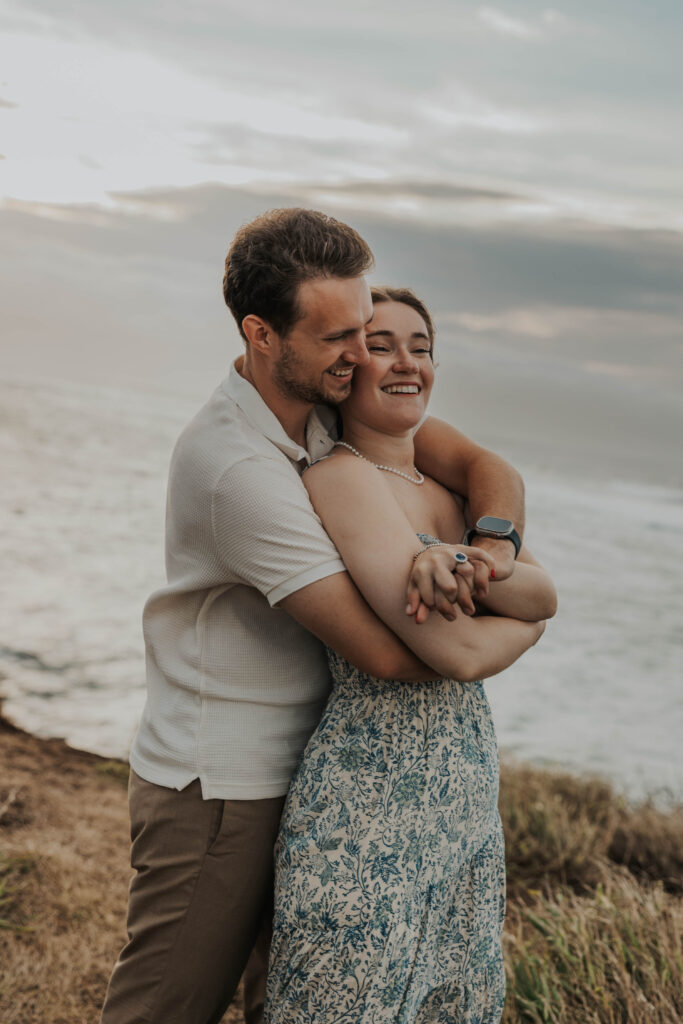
(340,462)
(344,474)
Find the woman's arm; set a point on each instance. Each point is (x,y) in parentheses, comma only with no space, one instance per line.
(376,541)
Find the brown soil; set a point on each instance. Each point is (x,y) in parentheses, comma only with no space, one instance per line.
(64,875)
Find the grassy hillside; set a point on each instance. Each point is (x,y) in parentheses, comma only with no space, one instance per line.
(595,913)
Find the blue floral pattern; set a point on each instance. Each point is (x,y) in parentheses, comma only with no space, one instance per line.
(390,879)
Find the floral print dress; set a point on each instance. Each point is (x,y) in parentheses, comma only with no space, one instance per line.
(390,878)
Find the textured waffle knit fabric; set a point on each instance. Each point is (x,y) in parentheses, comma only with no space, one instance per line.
(235,686)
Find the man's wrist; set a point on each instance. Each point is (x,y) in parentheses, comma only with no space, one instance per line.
(496,528)
(504,545)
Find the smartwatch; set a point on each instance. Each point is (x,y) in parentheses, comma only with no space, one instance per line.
(492,526)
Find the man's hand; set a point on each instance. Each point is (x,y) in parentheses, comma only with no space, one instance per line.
(503,552)
(438,581)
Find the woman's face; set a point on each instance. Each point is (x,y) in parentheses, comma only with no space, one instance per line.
(391,393)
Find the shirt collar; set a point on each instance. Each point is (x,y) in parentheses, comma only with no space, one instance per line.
(320,422)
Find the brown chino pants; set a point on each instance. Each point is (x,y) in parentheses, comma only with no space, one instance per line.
(200,902)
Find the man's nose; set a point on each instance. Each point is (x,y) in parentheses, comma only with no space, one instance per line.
(357,351)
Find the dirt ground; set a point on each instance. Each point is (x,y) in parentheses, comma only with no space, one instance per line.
(64,875)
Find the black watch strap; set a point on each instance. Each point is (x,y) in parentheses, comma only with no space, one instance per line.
(513,536)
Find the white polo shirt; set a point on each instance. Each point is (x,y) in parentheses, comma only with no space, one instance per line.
(235,686)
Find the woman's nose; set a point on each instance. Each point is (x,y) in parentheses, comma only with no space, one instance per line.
(405,362)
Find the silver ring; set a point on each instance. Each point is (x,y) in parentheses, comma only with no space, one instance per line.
(460,557)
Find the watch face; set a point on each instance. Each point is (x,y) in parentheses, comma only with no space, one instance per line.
(494,524)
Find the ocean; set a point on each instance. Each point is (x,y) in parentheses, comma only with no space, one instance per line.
(81,545)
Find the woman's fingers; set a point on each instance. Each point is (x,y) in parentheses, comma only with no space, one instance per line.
(441,585)
(438,581)
(412,597)
(482,567)
(424,584)
(459,594)
(422,613)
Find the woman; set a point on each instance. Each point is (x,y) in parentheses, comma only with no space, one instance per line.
(389,865)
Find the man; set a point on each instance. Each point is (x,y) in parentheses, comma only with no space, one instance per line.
(236,677)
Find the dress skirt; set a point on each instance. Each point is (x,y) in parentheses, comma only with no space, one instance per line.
(390,877)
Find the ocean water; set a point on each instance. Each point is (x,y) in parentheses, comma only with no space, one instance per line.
(81,547)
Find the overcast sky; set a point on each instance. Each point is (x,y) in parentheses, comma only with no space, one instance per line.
(517,163)
(567,112)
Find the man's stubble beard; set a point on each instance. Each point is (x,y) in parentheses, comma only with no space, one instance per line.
(290,379)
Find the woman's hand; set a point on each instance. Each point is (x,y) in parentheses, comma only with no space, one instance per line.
(439,582)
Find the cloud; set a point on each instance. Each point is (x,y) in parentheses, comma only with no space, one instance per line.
(506,25)
(422,189)
(273,116)
(546,323)
(517,28)
(247,94)
(454,106)
(555,340)
(554,18)
(624,371)
(543,281)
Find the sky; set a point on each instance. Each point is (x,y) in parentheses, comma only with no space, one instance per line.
(518,164)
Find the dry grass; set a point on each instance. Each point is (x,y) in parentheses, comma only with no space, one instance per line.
(570,831)
(607,958)
(595,915)
(595,912)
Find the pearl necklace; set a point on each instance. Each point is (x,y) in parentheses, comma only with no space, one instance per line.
(387,469)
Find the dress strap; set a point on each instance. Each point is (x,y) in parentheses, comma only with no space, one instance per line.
(309,465)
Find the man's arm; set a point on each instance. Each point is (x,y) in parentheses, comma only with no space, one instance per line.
(490,484)
(334,610)
(268,537)
(528,594)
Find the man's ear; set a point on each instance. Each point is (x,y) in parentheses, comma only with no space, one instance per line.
(260,334)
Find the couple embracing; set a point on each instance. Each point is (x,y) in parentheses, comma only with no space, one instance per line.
(317,636)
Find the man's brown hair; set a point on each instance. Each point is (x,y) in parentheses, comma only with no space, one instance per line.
(382,293)
(271,256)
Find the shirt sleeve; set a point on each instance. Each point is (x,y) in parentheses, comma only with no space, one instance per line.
(266,532)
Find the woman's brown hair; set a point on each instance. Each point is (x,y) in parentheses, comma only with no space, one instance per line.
(383,293)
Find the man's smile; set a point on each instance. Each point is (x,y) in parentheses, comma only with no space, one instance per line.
(344,371)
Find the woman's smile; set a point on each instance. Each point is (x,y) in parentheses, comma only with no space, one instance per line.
(402,389)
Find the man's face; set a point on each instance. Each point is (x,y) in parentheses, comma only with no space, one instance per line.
(316,359)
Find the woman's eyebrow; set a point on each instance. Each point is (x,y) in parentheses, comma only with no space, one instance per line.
(415,336)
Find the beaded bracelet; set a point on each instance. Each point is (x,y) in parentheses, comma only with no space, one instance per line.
(434,544)
(459,556)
